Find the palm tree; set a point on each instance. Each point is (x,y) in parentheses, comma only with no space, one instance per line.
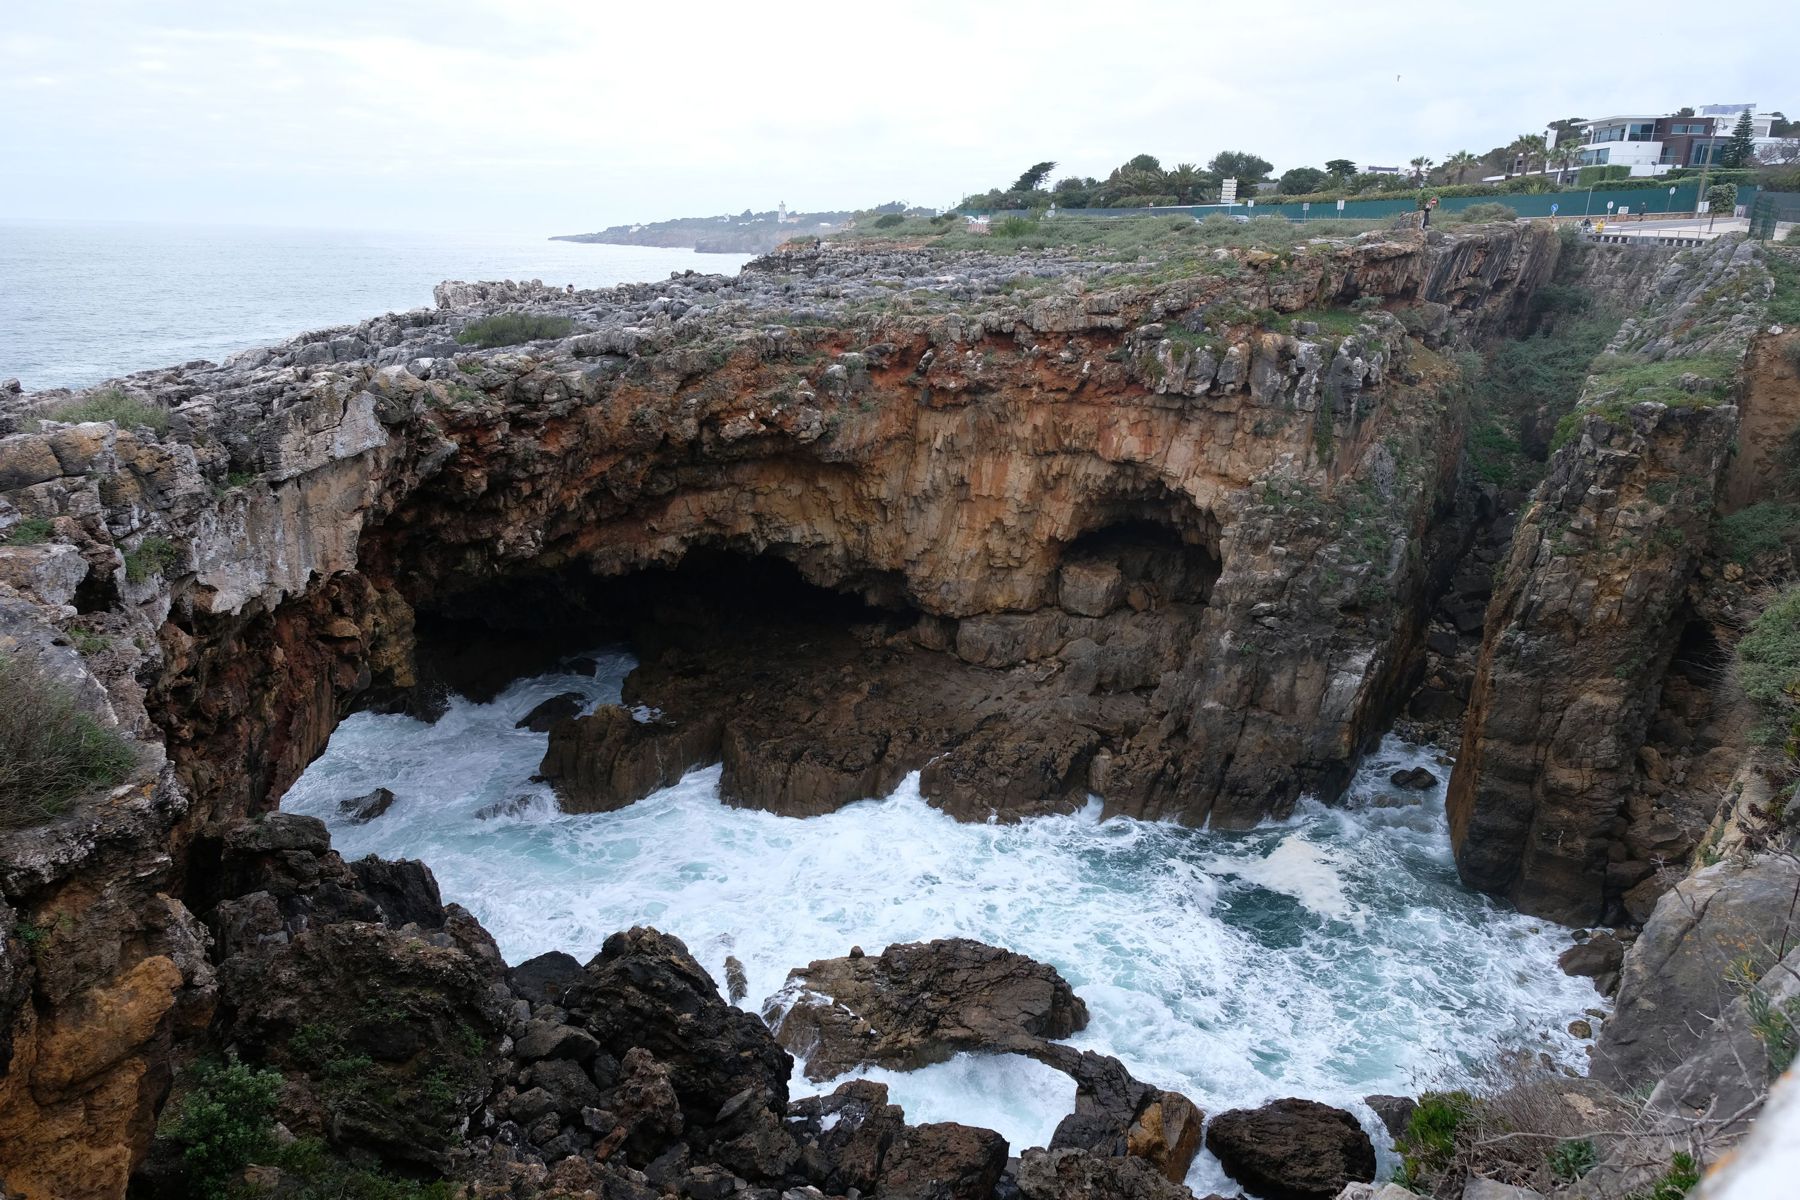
(1564,156)
(1526,147)
(1421,166)
(1187,181)
(1460,164)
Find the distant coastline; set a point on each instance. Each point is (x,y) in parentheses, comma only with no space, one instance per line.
(745,233)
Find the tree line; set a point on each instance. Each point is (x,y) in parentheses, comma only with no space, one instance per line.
(1533,161)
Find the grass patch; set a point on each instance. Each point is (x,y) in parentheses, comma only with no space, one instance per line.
(1339,322)
(1123,239)
(32,531)
(152,556)
(50,750)
(112,404)
(1768,664)
(317,1175)
(1784,269)
(510,329)
(1763,528)
(1704,378)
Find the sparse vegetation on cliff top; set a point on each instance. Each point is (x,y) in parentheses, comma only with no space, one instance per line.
(512,329)
(1118,238)
(112,404)
(50,750)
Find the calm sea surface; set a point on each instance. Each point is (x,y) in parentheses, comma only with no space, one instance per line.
(84,302)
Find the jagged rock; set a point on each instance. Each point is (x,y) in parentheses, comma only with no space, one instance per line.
(548,713)
(643,990)
(943,1161)
(1116,1115)
(920,1003)
(1292,1149)
(552,1039)
(1678,974)
(1393,1111)
(737,984)
(1417,779)
(608,759)
(363,809)
(1078,1175)
(1600,956)
(845,1136)
(544,979)
(404,890)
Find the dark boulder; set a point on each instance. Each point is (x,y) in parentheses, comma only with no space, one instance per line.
(556,708)
(1292,1149)
(609,759)
(845,1137)
(1116,1115)
(363,809)
(1415,779)
(1394,1112)
(403,889)
(645,990)
(920,1003)
(544,979)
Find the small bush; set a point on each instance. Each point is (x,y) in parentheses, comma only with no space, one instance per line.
(1676,1182)
(33,531)
(153,556)
(1760,529)
(1768,662)
(50,750)
(889,220)
(1571,1160)
(510,329)
(1489,211)
(113,405)
(317,1175)
(225,1119)
(1429,1143)
(1015,227)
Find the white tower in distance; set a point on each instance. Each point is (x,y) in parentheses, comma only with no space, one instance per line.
(781,213)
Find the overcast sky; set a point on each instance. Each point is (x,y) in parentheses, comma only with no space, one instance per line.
(568,115)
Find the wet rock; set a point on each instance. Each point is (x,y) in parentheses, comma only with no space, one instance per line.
(403,889)
(943,1161)
(845,1136)
(1393,1111)
(1416,779)
(1117,1115)
(363,809)
(920,1003)
(1599,956)
(608,759)
(1292,1149)
(513,806)
(645,991)
(1078,1175)
(549,712)
(645,1107)
(737,984)
(553,1039)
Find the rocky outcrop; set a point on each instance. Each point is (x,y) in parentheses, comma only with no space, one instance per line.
(920,1003)
(1710,938)
(1590,603)
(1292,1149)
(991,459)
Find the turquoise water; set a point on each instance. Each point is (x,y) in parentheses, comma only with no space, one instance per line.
(1333,956)
(88,301)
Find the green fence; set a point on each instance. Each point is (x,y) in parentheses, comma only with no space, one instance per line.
(1577,203)
(1768,208)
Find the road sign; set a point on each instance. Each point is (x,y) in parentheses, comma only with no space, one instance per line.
(1340,206)
(1228,190)
(1553,209)
(1250,203)
(1306,206)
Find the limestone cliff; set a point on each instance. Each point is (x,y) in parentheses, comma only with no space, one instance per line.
(1589,608)
(981,444)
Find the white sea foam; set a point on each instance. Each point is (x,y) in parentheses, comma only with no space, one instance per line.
(1333,955)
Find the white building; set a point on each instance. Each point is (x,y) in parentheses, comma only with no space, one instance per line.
(1653,144)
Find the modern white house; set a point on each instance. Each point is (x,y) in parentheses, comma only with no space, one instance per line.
(1653,144)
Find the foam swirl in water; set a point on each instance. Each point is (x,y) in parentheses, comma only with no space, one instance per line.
(1331,956)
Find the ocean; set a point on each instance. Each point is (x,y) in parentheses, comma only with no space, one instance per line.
(82,302)
(1332,956)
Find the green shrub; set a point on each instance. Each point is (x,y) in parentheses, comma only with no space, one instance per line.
(1768,661)
(510,329)
(889,220)
(1014,227)
(1676,1182)
(1784,269)
(1489,211)
(1429,1143)
(223,1122)
(1760,529)
(1571,1160)
(50,750)
(33,531)
(308,1166)
(114,405)
(152,556)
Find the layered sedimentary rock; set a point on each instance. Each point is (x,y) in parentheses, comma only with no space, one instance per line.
(983,444)
(1588,609)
